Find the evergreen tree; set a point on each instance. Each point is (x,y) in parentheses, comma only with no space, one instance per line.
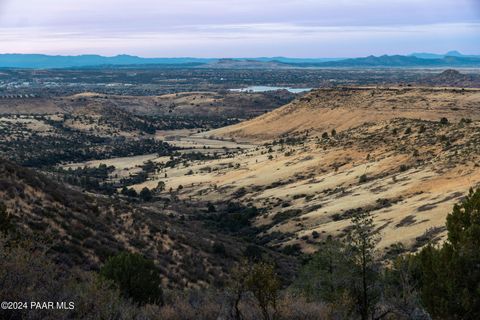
(136,277)
(365,275)
(324,277)
(449,275)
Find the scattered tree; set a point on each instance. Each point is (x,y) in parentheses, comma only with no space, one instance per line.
(160,186)
(263,282)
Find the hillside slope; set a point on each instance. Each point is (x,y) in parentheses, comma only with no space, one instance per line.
(343,108)
(83,230)
(193,104)
(408,173)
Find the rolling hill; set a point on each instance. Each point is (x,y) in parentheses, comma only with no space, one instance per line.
(343,108)
(404,154)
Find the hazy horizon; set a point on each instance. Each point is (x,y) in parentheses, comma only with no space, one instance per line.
(234,28)
(220,57)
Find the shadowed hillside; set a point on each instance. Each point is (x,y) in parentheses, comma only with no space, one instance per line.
(84,230)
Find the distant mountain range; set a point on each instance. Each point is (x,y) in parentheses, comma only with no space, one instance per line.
(49,62)
(441,56)
(415,60)
(398,61)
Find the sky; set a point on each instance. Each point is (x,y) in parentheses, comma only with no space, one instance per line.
(239,28)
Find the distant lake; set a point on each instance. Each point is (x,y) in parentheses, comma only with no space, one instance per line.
(267,88)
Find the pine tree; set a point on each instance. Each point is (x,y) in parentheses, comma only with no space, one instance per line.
(449,275)
(325,276)
(362,241)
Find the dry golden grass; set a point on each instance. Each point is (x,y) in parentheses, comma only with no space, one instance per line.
(341,109)
(413,179)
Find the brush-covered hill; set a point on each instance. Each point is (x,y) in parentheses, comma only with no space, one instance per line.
(204,103)
(83,230)
(451,78)
(404,154)
(407,173)
(342,108)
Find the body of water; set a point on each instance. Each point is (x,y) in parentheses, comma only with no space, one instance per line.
(267,88)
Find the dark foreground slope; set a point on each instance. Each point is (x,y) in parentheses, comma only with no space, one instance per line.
(83,230)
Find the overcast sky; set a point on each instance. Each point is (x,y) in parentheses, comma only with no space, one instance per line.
(239,28)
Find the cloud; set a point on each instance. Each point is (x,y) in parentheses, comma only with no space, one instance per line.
(145,14)
(259,39)
(239,27)
(2,4)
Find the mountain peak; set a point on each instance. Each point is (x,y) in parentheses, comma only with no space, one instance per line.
(454,53)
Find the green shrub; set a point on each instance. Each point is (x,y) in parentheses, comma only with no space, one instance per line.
(219,248)
(285,215)
(363,178)
(146,194)
(136,277)
(28,274)
(253,253)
